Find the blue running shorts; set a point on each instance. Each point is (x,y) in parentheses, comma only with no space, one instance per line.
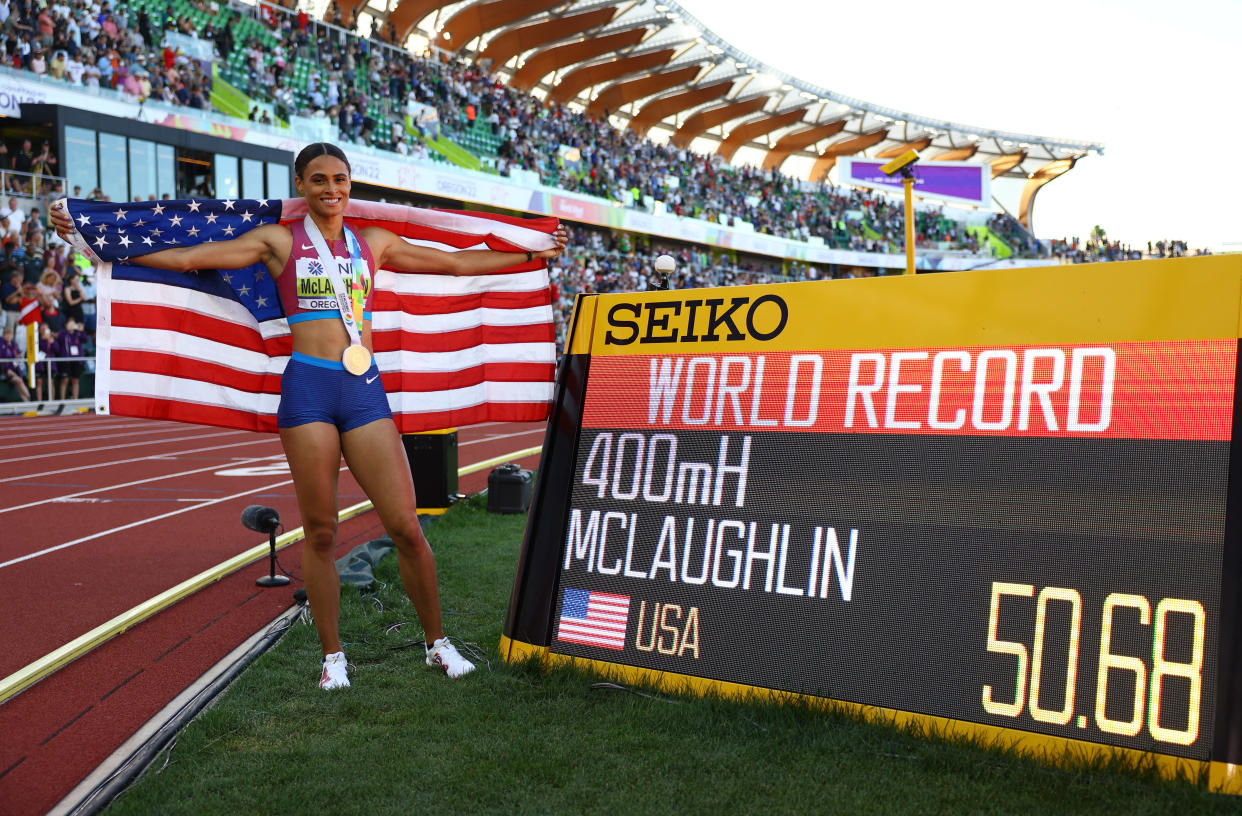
(317,390)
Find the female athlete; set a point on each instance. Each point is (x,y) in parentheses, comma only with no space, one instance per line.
(332,401)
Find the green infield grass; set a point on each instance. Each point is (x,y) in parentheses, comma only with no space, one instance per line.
(517,739)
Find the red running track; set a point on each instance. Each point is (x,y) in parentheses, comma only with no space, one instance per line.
(98,515)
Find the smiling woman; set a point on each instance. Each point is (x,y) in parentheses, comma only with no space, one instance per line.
(332,398)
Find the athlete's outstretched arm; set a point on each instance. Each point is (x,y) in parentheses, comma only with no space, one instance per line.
(392,251)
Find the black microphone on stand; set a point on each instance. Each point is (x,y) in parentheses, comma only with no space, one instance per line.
(265,520)
(260,519)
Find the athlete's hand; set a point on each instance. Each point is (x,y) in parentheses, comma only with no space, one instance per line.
(61,221)
(561,236)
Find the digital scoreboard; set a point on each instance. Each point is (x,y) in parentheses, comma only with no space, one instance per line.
(998,501)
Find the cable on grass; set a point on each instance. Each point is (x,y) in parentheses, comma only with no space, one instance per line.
(609,686)
(168,755)
(373,596)
(473,651)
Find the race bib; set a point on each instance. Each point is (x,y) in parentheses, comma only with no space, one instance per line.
(314,286)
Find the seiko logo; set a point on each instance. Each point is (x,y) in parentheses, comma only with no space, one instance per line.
(713,319)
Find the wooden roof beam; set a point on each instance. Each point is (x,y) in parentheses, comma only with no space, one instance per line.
(619,94)
(506,46)
(1005,163)
(545,62)
(580,78)
(408,13)
(957,153)
(798,139)
(846,147)
(663,106)
(749,131)
(893,152)
(349,10)
(702,121)
(1052,170)
(476,18)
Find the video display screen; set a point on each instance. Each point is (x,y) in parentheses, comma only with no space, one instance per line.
(1021,535)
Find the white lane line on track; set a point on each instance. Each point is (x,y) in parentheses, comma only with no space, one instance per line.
(115,462)
(58,423)
(140,523)
(116,447)
(71,439)
(498,437)
(160,478)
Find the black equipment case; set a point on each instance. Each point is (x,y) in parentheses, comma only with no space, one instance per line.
(509,489)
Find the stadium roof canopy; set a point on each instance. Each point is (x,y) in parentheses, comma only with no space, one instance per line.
(650,66)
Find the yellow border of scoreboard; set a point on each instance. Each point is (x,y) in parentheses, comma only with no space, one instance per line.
(1222,777)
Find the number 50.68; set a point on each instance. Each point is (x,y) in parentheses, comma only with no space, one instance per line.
(1148,683)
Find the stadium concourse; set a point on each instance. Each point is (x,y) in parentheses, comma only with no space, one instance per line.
(131,526)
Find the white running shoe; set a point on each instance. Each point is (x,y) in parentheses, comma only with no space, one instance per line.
(445,655)
(334,676)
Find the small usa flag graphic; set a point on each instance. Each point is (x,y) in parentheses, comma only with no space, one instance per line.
(594,618)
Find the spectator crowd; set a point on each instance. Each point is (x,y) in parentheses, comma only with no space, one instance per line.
(367,88)
(36,266)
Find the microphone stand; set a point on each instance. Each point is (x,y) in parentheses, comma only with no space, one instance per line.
(272,579)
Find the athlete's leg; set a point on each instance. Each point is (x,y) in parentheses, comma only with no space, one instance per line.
(314,454)
(377,459)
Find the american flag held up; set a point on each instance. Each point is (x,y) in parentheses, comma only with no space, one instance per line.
(209,347)
(594,618)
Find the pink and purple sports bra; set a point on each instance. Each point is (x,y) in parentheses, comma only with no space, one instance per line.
(305,287)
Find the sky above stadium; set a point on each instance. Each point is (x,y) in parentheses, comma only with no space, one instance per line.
(1154,81)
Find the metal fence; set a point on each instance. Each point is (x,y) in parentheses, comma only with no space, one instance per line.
(32,185)
(45,372)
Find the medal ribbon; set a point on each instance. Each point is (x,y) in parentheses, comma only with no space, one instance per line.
(349,296)
(358,283)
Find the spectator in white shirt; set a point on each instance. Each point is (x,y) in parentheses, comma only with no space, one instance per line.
(73,70)
(15,215)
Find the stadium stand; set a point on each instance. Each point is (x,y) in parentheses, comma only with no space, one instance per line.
(285,64)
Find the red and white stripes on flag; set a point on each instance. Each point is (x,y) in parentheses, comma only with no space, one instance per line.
(210,347)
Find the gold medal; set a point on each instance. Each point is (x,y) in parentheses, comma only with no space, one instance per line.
(357,359)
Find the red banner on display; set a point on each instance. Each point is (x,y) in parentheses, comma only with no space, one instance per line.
(1179,390)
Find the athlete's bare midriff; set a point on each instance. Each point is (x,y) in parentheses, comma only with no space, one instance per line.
(326,339)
